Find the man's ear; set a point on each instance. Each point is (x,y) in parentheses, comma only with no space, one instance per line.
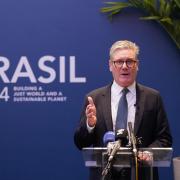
(110,66)
(137,65)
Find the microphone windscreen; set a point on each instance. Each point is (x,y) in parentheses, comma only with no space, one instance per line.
(108,137)
(122,134)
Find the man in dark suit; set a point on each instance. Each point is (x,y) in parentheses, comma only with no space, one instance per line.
(145,109)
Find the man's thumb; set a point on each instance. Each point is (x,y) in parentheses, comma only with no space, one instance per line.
(90,100)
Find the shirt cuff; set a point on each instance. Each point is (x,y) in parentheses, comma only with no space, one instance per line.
(90,129)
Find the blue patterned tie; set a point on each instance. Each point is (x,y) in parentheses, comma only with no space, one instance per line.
(122,113)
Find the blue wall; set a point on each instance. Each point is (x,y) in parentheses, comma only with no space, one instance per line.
(36,138)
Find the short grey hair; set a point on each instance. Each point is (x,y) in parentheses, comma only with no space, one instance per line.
(124,44)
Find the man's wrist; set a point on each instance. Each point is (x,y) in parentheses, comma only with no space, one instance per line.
(89,128)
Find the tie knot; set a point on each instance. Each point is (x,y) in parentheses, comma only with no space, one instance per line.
(125,91)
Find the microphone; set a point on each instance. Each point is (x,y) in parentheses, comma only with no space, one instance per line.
(136,106)
(134,149)
(132,139)
(121,140)
(122,135)
(108,139)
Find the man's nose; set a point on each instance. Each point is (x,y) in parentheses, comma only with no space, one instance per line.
(124,65)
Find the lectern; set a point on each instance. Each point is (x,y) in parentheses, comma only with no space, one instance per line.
(98,157)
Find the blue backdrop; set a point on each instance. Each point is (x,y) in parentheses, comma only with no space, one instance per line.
(51,54)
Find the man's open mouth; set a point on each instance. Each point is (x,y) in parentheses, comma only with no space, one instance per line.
(124,74)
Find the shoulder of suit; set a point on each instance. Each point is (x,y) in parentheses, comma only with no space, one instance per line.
(148,89)
(100,91)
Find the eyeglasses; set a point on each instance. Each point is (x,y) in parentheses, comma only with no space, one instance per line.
(129,63)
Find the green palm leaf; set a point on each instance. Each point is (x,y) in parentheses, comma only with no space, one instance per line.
(165,12)
(150,18)
(177,3)
(114,6)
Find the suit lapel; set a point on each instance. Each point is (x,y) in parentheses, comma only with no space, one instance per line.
(106,106)
(140,102)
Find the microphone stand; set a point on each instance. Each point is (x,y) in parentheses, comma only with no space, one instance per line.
(134,148)
(106,170)
(110,159)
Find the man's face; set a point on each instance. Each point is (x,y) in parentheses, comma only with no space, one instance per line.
(122,74)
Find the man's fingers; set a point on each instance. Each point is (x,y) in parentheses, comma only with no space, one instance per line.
(91,112)
(90,115)
(145,156)
(90,100)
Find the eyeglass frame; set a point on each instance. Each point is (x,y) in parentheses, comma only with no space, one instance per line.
(131,60)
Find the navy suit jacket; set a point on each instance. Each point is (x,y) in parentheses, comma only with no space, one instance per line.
(150,124)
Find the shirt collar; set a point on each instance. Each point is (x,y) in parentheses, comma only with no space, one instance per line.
(116,88)
(132,88)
